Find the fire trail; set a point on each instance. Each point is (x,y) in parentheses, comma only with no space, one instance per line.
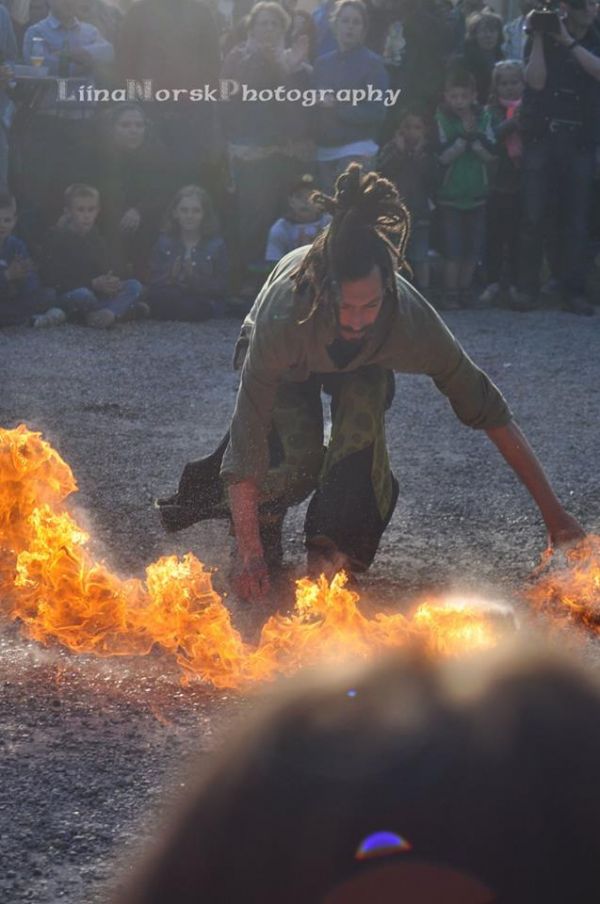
(51,583)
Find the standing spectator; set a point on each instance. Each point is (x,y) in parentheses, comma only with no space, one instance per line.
(462,10)
(266,140)
(407,160)
(176,45)
(431,39)
(8,53)
(560,121)
(483,49)
(131,172)
(68,42)
(189,272)
(54,143)
(75,262)
(347,133)
(514,32)
(301,223)
(466,147)
(105,16)
(504,203)
(25,13)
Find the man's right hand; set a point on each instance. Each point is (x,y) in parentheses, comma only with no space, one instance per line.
(250,578)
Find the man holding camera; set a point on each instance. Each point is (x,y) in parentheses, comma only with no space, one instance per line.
(560,121)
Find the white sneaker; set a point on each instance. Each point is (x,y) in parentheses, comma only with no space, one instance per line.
(490,294)
(52,317)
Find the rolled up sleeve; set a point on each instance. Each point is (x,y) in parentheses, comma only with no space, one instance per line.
(475,399)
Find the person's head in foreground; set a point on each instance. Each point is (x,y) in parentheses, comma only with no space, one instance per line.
(414,780)
(351,265)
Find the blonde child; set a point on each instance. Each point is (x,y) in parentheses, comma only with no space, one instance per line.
(76,263)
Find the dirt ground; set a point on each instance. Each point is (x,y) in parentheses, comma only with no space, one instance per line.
(91,751)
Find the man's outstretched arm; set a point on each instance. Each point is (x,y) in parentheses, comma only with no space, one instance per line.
(250,573)
(512,443)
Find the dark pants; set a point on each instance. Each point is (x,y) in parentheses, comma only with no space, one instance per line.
(354,490)
(557,179)
(502,237)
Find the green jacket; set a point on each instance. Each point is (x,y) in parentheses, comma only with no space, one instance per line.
(407,337)
(465,182)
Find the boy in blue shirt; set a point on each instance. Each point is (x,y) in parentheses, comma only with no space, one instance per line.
(301,223)
(20,291)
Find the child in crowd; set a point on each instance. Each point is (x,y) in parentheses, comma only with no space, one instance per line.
(20,292)
(466,147)
(189,269)
(301,224)
(409,163)
(76,263)
(504,203)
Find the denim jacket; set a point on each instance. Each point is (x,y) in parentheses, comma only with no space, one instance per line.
(209,265)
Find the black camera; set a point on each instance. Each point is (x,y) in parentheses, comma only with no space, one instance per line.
(546,20)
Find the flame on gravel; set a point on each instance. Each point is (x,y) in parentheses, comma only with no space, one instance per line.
(570,588)
(50,581)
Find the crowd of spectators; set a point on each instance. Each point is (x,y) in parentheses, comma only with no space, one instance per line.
(130,203)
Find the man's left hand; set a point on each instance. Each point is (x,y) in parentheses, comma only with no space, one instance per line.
(565,531)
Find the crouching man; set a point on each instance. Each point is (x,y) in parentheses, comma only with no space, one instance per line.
(338,317)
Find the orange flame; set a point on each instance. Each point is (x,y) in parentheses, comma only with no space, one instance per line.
(571,591)
(51,583)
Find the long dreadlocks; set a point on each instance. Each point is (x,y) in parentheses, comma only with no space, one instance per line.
(370,227)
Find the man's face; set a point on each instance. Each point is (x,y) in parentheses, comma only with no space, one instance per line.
(82,213)
(8,219)
(64,10)
(581,14)
(359,307)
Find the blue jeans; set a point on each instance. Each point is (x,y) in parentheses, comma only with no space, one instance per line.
(557,180)
(79,302)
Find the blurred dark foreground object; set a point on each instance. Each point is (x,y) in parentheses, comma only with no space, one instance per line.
(427,782)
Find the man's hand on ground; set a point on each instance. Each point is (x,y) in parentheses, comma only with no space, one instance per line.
(250,578)
(565,531)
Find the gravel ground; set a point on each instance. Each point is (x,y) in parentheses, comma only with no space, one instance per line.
(92,751)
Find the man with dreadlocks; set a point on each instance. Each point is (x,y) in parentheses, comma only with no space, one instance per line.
(337,316)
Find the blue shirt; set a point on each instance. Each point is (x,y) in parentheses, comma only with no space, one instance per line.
(285,235)
(57,37)
(326,41)
(11,248)
(356,68)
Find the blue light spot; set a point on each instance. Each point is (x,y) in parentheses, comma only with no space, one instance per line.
(379,844)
